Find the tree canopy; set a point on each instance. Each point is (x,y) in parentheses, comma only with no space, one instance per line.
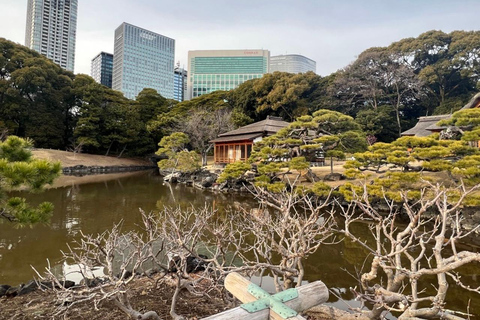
(385,90)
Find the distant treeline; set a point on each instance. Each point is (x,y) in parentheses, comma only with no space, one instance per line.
(385,89)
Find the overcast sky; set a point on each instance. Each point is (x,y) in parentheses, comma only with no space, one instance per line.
(331,32)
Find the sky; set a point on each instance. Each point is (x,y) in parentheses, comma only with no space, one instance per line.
(331,32)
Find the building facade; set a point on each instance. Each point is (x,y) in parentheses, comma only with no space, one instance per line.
(237,145)
(180,84)
(292,63)
(51,30)
(142,59)
(212,70)
(102,68)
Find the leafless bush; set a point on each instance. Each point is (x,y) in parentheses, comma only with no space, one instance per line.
(77,147)
(425,247)
(219,243)
(296,227)
(170,241)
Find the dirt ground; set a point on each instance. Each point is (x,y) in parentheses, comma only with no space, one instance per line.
(70,159)
(145,295)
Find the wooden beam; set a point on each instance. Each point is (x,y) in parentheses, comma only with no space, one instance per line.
(240,314)
(309,295)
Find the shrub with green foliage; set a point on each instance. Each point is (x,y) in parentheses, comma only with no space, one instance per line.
(233,171)
(179,158)
(18,169)
(293,148)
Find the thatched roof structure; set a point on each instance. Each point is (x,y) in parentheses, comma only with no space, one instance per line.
(428,124)
(473,103)
(425,126)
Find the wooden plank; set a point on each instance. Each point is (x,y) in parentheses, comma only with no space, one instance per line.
(309,295)
(240,314)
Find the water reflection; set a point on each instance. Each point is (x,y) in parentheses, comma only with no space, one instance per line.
(94,207)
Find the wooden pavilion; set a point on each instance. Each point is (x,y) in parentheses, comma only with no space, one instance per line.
(428,124)
(237,145)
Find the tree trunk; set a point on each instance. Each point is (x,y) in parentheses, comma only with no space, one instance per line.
(397,111)
(204,159)
(108,150)
(121,153)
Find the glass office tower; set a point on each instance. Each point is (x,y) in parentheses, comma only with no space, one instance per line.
(212,70)
(292,63)
(102,68)
(142,59)
(51,30)
(180,84)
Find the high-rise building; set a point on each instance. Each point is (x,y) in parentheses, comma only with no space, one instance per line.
(142,59)
(51,30)
(102,68)
(180,84)
(212,70)
(293,63)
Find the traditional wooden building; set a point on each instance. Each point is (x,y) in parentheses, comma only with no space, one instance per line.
(237,145)
(428,124)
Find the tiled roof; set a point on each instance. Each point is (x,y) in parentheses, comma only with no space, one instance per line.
(268,126)
(250,136)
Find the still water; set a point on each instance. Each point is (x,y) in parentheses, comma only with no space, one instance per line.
(95,204)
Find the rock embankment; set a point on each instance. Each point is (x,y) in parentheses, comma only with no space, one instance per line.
(8,291)
(204,179)
(83,170)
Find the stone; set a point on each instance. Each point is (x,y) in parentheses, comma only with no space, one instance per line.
(198,186)
(151,272)
(172,177)
(12,292)
(311,177)
(91,282)
(334,177)
(207,182)
(27,288)
(223,185)
(3,289)
(194,264)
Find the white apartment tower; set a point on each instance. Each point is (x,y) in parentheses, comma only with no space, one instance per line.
(51,30)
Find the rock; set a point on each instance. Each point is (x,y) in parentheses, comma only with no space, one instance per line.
(48,284)
(311,177)
(12,292)
(3,289)
(172,177)
(194,264)
(207,182)
(151,272)
(328,312)
(198,185)
(223,185)
(92,282)
(29,287)
(250,175)
(334,177)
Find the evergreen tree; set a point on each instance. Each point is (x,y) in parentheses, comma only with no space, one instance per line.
(18,169)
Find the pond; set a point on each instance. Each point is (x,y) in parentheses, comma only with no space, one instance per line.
(95,204)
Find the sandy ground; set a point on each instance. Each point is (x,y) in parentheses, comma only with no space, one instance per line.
(70,159)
